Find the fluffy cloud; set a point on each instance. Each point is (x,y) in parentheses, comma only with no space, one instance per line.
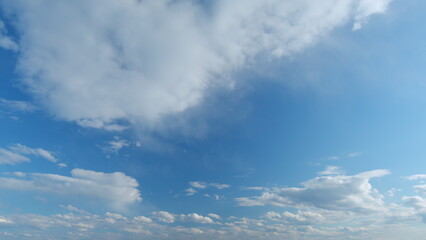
(116,189)
(103,61)
(164,217)
(337,192)
(195,218)
(301,225)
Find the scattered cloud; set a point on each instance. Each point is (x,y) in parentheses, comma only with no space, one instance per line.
(204,185)
(420,189)
(354,154)
(417,177)
(62,165)
(38,152)
(214,196)
(17,106)
(190,191)
(11,158)
(164,216)
(214,216)
(331,170)
(195,218)
(335,192)
(116,189)
(332,158)
(299,224)
(110,66)
(116,145)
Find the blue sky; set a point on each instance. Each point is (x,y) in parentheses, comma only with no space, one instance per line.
(185,119)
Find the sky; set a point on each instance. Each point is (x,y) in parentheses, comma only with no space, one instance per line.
(195,119)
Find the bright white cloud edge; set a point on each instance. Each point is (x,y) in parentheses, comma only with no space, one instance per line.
(143,60)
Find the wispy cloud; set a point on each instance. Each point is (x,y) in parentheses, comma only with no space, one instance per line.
(331,170)
(116,145)
(19,153)
(204,185)
(6,41)
(17,106)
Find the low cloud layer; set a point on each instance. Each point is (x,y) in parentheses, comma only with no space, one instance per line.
(95,62)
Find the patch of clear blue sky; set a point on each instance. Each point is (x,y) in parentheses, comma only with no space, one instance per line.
(355,92)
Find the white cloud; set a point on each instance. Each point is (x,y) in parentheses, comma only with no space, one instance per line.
(214,215)
(300,217)
(116,145)
(62,165)
(214,196)
(366,8)
(5,41)
(421,189)
(142,219)
(331,170)
(354,154)
(39,152)
(195,218)
(301,225)
(190,191)
(417,177)
(164,216)
(140,61)
(17,106)
(116,189)
(199,185)
(204,185)
(12,158)
(4,220)
(345,193)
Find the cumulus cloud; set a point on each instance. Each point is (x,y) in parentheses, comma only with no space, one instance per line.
(164,216)
(139,61)
(195,218)
(116,189)
(336,192)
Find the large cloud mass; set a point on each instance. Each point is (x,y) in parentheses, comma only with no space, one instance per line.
(98,61)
